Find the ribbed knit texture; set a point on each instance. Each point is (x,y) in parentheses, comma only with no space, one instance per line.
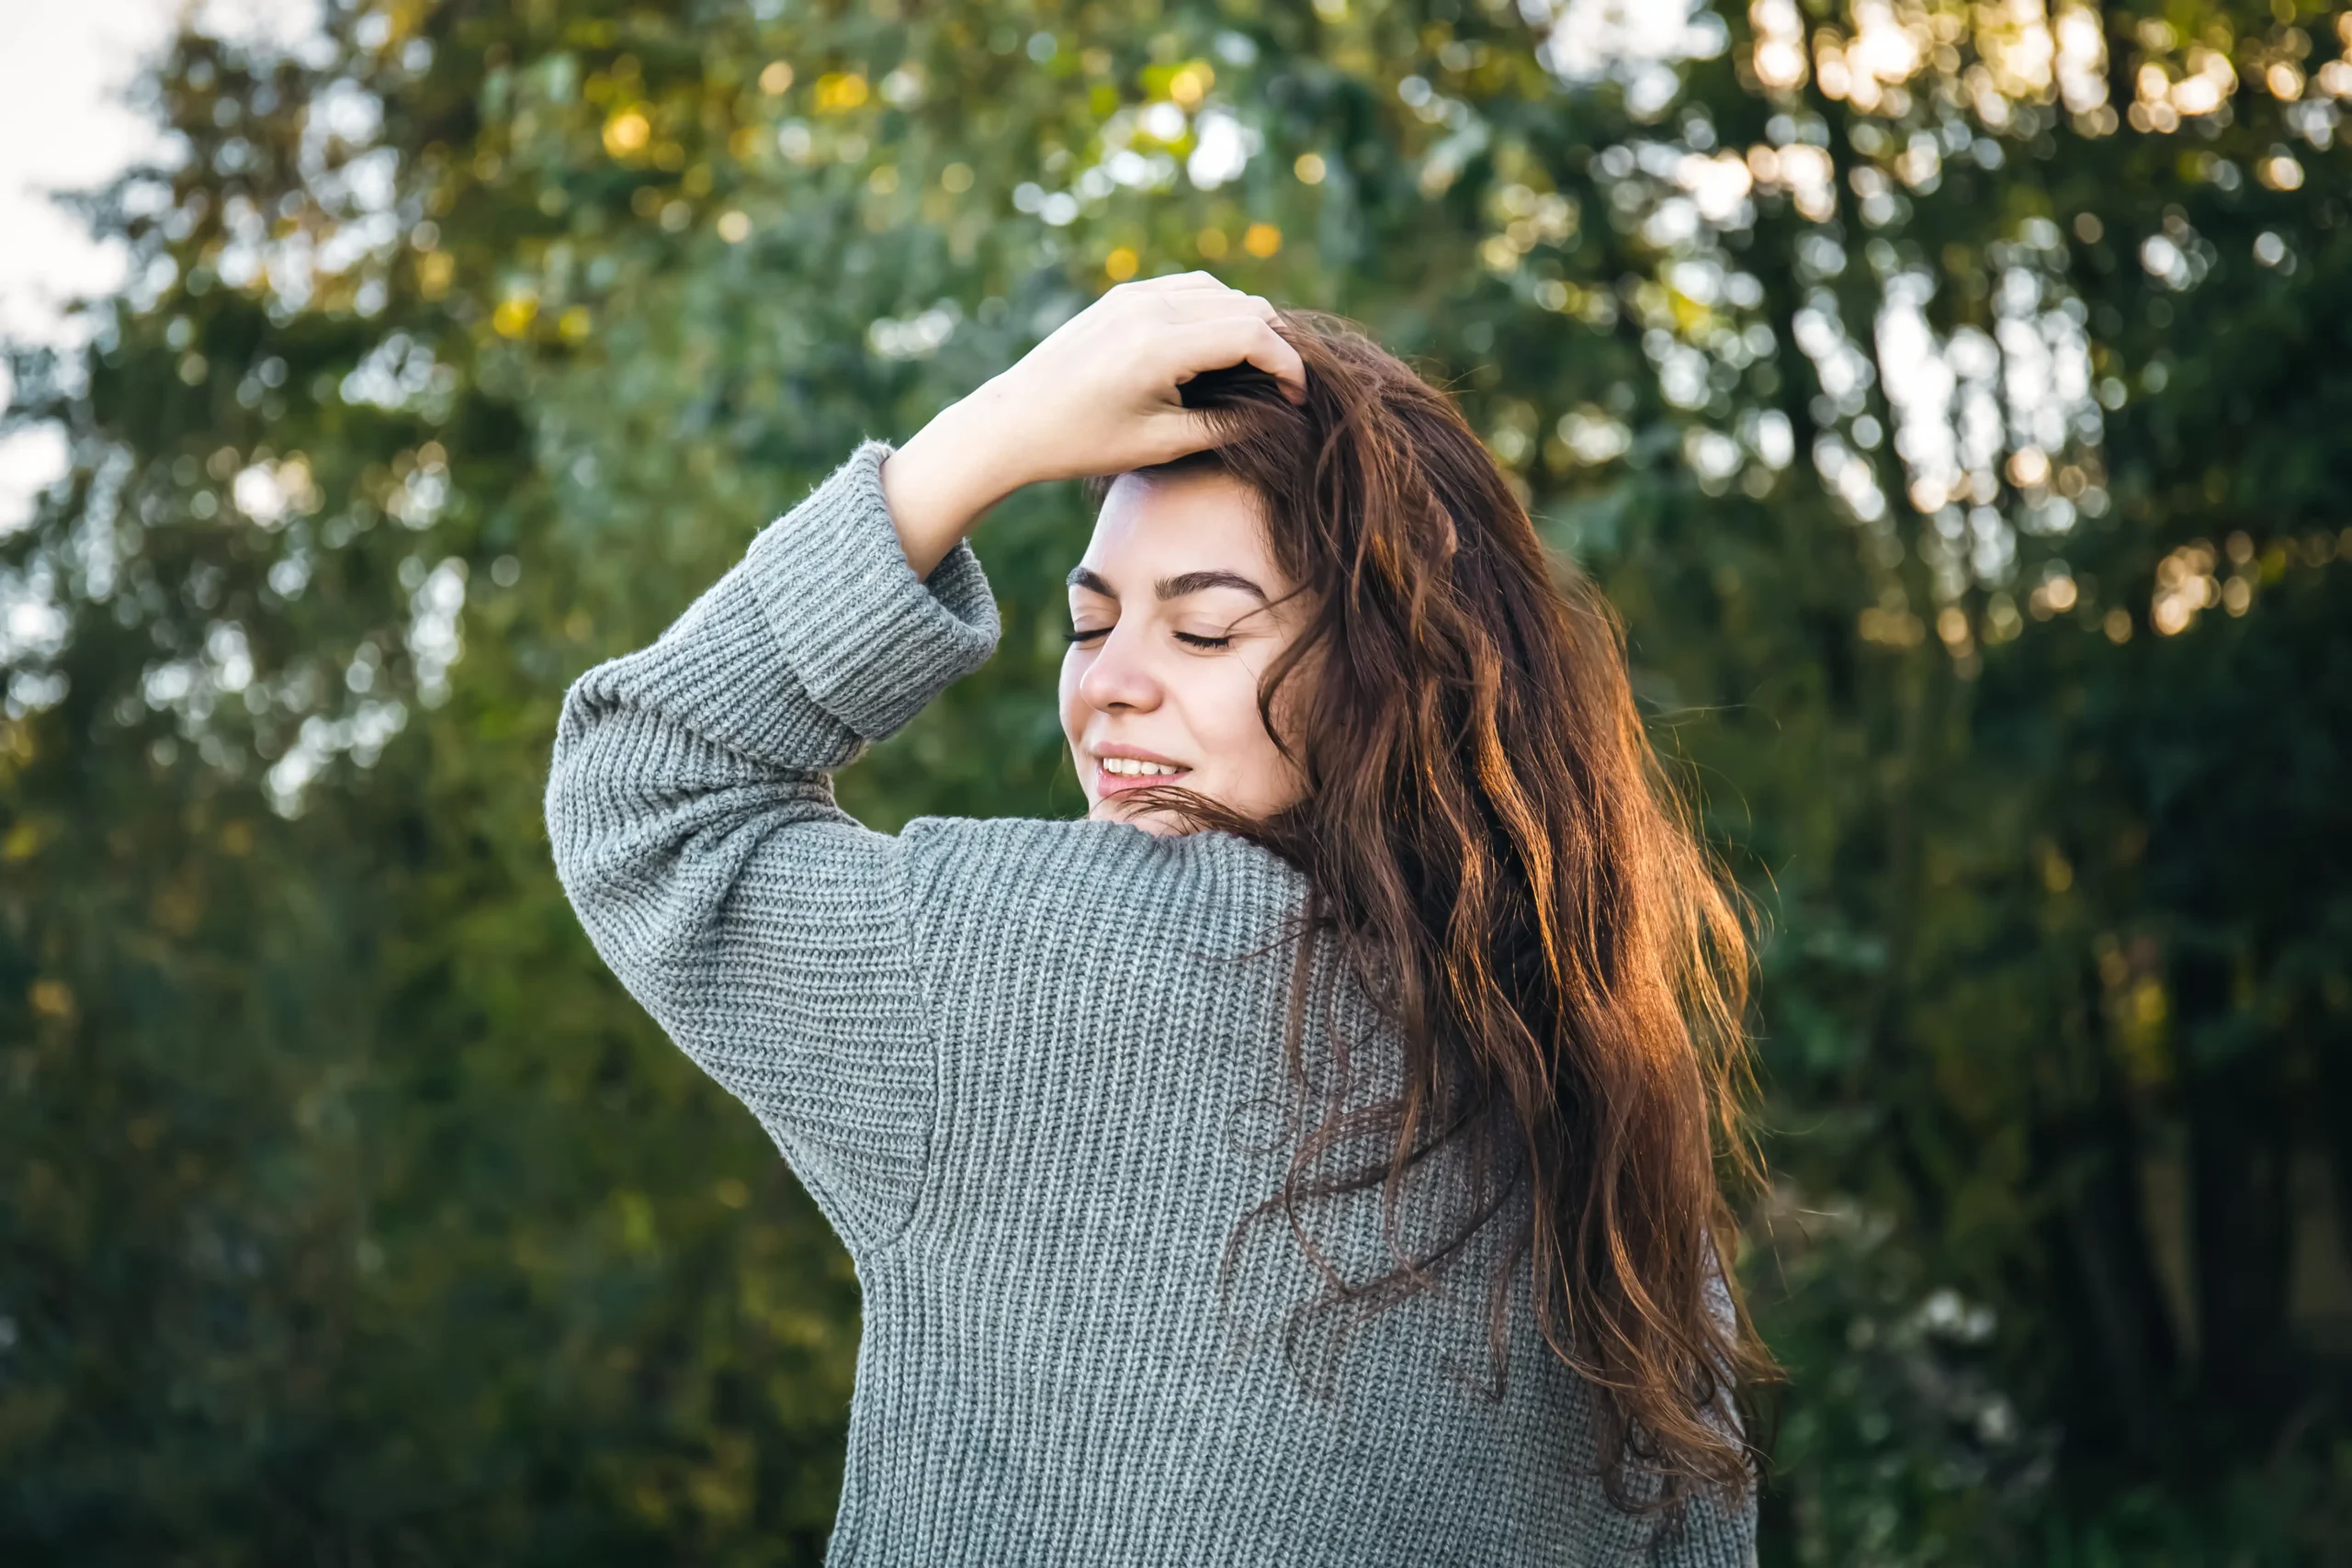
(1034,1076)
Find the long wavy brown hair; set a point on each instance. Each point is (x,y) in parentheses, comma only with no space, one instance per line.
(1488,831)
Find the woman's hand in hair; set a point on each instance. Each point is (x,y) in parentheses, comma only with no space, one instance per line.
(1099,396)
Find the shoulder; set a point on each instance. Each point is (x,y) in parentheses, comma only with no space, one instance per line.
(1080,879)
(1058,959)
(1037,851)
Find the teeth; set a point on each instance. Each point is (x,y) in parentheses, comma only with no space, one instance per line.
(1132,767)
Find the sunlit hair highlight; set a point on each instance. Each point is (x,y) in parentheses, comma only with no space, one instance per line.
(1486,829)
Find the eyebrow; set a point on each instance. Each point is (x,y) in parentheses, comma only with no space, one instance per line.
(1171,587)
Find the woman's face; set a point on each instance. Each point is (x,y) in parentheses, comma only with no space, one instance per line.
(1172,602)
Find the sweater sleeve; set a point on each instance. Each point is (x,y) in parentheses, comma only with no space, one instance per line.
(1715,1532)
(1713,1535)
(691,810)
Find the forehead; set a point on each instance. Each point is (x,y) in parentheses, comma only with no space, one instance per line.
(1159,525)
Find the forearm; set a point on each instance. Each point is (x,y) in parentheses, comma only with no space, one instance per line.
(1102,395)
(944,480)
(694,826)
(817,643)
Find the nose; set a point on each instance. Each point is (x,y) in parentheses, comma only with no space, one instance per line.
(1120,676)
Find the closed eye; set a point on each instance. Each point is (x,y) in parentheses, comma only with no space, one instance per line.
(1084,635)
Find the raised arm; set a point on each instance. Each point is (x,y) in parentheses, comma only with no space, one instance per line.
(694,824)
(690,803)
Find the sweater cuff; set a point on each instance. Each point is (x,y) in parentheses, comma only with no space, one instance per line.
(869,641)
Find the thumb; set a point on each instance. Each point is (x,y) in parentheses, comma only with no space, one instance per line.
(1180,432)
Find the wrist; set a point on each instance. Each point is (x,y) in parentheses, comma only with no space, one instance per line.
(938,484)
(983,442)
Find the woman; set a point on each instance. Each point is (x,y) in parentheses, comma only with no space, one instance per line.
(1309,1156)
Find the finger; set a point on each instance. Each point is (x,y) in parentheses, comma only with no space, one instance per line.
(1201,304)
(1175,286)
(1177,431)
(1231,340)
(1177,281)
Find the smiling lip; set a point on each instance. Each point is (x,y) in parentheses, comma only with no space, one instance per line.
(1107,783)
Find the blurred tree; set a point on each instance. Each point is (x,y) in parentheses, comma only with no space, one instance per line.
(1946,392)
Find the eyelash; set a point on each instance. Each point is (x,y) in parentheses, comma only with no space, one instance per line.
(1208,642)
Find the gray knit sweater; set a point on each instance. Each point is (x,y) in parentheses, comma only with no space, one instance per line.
(1033,1075)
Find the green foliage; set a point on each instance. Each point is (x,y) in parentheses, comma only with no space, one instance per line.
(350,1208)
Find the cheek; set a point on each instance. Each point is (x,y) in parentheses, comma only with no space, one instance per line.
(1224,714)
(1066,697)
